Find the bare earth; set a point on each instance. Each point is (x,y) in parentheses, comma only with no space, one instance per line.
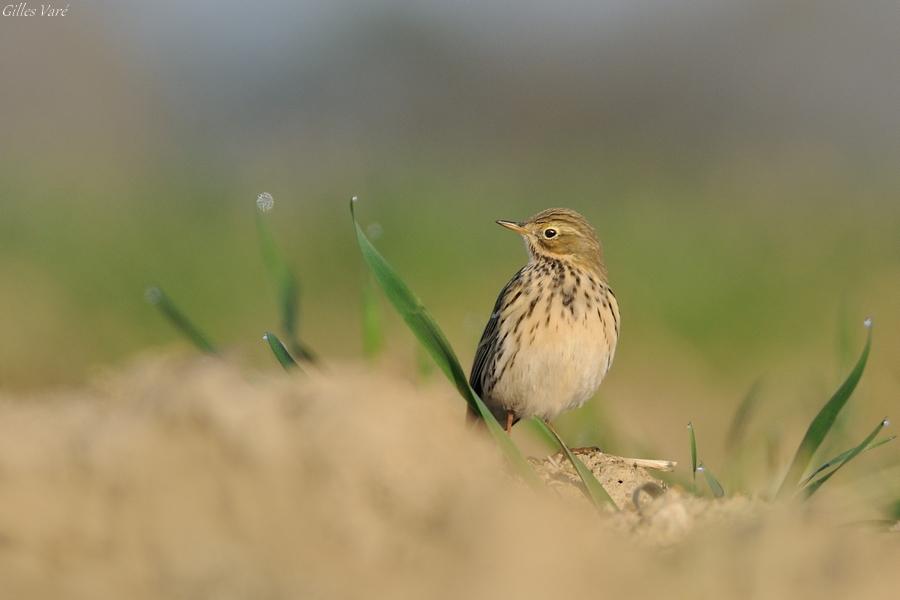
(194,480)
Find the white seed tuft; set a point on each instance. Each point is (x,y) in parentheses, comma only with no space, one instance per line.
(153,295)
(265,202)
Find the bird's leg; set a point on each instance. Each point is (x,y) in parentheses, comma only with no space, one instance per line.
(510,417)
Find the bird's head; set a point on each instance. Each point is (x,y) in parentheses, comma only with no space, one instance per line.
(560,233)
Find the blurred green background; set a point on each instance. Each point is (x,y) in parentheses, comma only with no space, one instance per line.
(738,159)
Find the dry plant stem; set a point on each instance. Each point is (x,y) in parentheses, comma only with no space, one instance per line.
(656,465)
(647,463)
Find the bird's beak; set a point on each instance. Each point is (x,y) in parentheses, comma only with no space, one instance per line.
(517,227)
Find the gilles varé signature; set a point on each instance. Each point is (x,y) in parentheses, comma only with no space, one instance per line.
(22,9)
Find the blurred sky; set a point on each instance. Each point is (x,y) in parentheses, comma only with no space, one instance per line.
(235,78)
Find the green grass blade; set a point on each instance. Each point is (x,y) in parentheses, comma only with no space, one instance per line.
(541,433)
(815,485)
(843,456)
(821,425)
(893,510)
(693,439)
(844,335)
(594,490)
(424,327)
(738,427)
(424,364)
(773,445)
(713,483)
(413,312)
(285,282)
(698,467)
(372,331)
(179,320)
(286,285)
(284,357)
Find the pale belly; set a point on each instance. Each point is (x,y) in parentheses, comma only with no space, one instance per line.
(559,367)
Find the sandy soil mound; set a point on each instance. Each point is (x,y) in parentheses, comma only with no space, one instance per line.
(195,480)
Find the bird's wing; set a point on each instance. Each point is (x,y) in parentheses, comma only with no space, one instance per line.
(489,337)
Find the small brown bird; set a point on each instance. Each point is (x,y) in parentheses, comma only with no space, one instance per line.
(552,334)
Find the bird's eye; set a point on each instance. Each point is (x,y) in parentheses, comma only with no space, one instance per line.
(549,233)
